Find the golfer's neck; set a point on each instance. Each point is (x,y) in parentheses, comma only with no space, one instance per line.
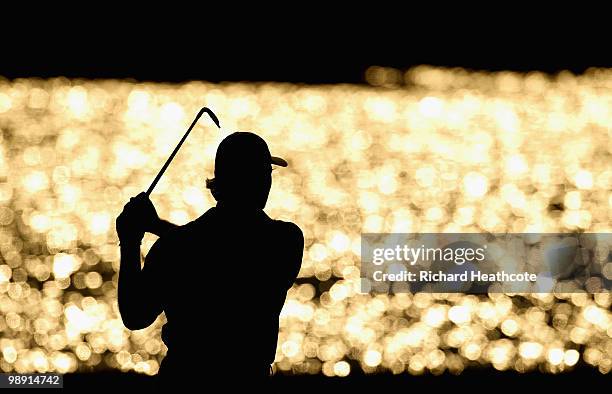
(237,206)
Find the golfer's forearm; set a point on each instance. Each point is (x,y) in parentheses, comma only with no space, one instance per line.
(129,282)
(162,227)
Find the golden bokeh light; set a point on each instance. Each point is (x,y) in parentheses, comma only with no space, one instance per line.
(428,150)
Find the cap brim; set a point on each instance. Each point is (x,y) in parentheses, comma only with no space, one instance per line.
(278,161)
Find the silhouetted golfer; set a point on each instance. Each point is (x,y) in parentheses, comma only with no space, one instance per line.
(221,279)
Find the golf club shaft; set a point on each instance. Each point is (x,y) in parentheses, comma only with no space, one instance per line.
(167,163)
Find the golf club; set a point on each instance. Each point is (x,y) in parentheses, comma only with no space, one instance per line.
(163,169)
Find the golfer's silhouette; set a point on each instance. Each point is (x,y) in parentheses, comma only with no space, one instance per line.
(221,279)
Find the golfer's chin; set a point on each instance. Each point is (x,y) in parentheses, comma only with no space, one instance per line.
(262,203)
(261,200)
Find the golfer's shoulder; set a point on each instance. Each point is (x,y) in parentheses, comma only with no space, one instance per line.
(289,232)
(169,241)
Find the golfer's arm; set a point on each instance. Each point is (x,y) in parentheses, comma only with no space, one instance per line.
(138,309)
(163,227)
(296,252)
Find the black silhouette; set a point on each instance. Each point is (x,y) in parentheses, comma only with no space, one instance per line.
(221,279)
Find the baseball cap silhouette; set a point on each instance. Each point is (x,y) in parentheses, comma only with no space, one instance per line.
(242,152)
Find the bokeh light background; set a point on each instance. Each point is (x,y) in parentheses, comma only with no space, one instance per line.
(429,149)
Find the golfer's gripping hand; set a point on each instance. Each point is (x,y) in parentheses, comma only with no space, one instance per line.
(138,216)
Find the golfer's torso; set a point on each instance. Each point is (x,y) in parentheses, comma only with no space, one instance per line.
(225,290)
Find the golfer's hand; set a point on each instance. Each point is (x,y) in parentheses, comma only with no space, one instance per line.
(138,216)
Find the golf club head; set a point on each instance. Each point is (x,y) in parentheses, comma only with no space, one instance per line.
(211,114)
